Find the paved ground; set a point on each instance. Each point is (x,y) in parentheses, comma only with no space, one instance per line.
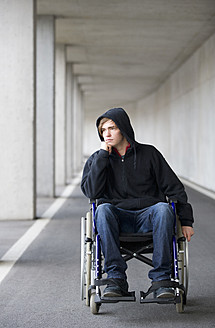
(43,288)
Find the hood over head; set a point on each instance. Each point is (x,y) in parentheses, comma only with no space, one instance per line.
(121,119)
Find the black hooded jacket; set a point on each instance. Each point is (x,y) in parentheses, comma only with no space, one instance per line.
(143,178)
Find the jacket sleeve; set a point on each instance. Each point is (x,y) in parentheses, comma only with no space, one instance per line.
(95,174)
(172,187)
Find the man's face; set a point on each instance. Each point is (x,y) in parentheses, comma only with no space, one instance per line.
(111,134)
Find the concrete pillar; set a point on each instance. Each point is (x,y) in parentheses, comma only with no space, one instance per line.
(74,134)
(45,106)
(77,128)
(60,116)
(80,130)
(17,114)
(77,145)
(69,122)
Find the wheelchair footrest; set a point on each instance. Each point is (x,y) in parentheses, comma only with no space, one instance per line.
(128,298)
(171,300)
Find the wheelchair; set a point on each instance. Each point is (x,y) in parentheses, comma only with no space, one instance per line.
(140,247)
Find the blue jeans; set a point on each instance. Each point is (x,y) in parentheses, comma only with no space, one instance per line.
(111,221)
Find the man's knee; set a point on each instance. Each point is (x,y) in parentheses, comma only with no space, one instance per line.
(105,213)
(104,207)
(164,214)
(104,210)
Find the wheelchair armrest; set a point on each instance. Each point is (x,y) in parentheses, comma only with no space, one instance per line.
(170,200)
(92,200)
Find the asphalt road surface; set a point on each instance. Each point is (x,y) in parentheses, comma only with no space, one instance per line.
(42,290)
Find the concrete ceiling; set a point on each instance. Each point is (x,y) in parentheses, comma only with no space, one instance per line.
(122,50)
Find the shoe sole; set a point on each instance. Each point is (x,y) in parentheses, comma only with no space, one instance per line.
(166,295)
(112,294)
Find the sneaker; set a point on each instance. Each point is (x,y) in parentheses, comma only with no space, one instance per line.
(164,292)
(116,288)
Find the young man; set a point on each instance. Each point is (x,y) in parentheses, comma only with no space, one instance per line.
(131,182)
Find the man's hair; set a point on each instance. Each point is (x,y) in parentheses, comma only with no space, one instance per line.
(102,121)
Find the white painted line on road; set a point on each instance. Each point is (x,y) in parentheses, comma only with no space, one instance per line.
(16,251)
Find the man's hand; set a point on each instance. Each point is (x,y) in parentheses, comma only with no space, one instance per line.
(106,147)
(188,232)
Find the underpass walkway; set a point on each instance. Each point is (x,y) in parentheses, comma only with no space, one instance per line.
(42,286)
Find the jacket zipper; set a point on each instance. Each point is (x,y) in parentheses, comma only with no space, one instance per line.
(123,174)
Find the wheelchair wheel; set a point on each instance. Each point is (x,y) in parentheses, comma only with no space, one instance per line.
(86,234)
(88,254)
(183,273)
(83,258)
(183,266)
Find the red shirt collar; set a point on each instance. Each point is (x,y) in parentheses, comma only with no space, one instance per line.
(125,150)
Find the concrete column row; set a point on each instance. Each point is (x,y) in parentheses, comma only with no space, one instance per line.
(40,111)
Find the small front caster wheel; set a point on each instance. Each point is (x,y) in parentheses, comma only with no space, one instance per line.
(180,306)
(94,306)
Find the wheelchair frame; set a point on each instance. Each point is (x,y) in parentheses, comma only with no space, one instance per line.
(131,246)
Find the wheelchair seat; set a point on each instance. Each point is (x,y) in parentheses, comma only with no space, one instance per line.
(134,245)
(136,237)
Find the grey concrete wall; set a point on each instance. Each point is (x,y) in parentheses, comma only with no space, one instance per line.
(179,118)
(90,137)
(77,127)
(69,121)
(60,115)
(17,113)
(45,105)
(79,131)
